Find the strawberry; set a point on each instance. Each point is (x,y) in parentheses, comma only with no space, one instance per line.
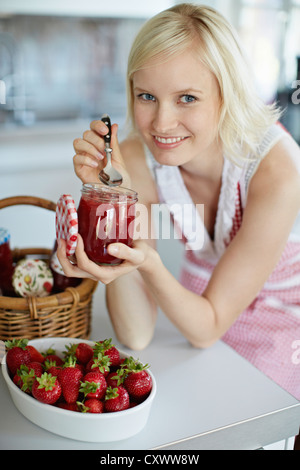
(52,368)
(50,355)
(94,385)
(80,367)
(84,352)
(46,389)
(35,355)
(100,363)
(138,382)
(105,347)
(37,367)
(68,406)
(26,374)
(114,379)
(116,399)
(91,405)
(69,379)
(17,354)
(132,404)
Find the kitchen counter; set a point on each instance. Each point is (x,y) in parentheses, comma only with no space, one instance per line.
(206,399)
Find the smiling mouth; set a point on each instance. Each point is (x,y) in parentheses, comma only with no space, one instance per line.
(169,140)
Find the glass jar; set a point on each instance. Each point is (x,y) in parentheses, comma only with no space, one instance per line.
(105,215)
(6,264)
(60,280)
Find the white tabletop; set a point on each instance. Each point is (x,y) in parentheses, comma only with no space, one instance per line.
(206,399)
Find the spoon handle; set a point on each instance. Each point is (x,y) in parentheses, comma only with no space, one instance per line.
(106,119)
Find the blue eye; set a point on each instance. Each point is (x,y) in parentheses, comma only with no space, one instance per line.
(146,97)
(187,99)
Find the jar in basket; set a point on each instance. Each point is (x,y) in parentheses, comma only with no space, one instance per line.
(6,264)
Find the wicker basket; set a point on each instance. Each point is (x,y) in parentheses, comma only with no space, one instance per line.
(66,314)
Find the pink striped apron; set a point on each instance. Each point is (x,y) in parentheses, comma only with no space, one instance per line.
(267,333)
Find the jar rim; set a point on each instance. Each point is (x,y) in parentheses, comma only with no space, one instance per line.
(108,191)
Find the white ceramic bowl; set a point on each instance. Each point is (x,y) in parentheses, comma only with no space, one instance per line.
(104,427)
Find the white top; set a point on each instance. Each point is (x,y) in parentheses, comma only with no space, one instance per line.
(173,193)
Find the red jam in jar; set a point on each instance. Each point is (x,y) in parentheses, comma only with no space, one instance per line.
(60,280)
(105,215)
(6,264)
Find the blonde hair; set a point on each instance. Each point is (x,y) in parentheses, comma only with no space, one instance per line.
(244,118)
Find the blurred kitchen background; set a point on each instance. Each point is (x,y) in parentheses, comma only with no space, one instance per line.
(63,63)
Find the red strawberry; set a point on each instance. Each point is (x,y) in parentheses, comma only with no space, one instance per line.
(17,354)
(52,368)
(116,399)
(105,347)
(133,404)
(114,379)
(46,389)
(94,385)
(84,352)
(54,358)
(26,374)
(68,406)
(138,382)
(80,367)
(69,378)
(92,405)
(35,355)
(37,367)
(100,363)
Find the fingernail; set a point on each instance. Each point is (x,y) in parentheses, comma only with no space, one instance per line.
(103,128)
(113,250)
(100,156)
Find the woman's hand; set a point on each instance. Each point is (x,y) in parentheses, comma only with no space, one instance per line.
(138,256)
(90,155)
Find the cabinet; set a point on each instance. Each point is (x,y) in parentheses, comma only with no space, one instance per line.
(94,8)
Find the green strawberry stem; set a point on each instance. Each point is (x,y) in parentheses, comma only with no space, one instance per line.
(88,387)
(102,362)
(111,393)
(120,376)
(27,376)
(102,346)
(70,362)
(49,352)
(70,350)
(19,343)
(46,381)
(132,365)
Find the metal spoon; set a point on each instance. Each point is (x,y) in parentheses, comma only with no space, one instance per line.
(108,175)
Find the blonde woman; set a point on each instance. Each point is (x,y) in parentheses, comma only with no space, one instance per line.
(202,137)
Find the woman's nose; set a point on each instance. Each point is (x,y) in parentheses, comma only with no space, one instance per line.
(165,119)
